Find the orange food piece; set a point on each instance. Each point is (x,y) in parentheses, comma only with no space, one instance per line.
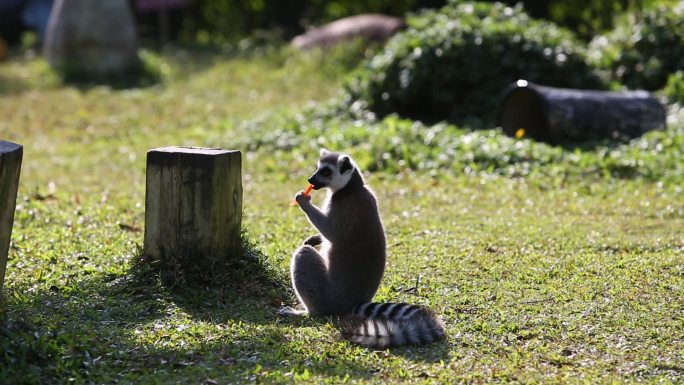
(307,192)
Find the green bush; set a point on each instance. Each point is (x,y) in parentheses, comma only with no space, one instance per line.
(218,21)
(674,89)
(644,48)
(396,145)
(455,63)
(587,18)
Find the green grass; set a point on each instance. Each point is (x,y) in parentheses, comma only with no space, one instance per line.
(548,265)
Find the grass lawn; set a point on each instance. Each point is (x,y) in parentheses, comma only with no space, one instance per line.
(574,276)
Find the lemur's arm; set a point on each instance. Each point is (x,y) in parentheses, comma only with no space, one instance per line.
(317,218)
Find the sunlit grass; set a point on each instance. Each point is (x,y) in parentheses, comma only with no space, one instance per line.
(539,278)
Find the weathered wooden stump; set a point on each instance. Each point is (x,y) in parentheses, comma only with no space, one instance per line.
(10,167)
(558,115)
(193,208)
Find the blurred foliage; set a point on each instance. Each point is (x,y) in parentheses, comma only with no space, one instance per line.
(455,63)
(644,48)
(585,17)
(217,21)
(674,89)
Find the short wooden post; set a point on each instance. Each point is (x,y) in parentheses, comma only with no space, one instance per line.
(193,207)
(10,166)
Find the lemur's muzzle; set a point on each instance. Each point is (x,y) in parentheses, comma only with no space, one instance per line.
(317,185)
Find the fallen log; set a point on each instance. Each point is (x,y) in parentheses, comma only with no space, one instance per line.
(560,115)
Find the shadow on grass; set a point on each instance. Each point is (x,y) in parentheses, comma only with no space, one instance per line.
(103,334)
(149,70)
(12,86)
(430,353)
(142,74)
(242,287)
(138,327)
(108,328)
(248,289)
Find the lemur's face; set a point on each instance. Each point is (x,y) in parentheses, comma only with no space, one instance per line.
(334,171)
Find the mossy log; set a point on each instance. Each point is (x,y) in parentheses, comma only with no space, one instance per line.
(559,115)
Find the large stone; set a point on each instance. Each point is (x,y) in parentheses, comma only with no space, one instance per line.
(370,27)
(91,36)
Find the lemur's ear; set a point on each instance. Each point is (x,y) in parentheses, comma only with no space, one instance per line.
(324,152)
(345,164)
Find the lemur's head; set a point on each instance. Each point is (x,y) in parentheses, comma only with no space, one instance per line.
(334,171)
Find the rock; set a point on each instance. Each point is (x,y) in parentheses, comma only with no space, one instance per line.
(370,27)
(91,37)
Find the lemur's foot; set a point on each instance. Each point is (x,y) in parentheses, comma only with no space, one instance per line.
(288,311)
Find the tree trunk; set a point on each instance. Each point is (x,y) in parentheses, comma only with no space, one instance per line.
(193,208)
(559,116)
(10,167)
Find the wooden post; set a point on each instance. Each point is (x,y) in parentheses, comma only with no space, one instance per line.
(562,116)
(10,166)
(193,207)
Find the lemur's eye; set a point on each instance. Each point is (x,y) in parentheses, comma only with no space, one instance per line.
(326,172)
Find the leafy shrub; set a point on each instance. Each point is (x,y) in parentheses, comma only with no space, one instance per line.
(455,63)
(674,89)
(216,21)
(643,49)
(396,145)
(585,17)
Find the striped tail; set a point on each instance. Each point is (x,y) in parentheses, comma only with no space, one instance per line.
(381,325)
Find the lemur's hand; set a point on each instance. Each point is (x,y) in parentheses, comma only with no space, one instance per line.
(302,199)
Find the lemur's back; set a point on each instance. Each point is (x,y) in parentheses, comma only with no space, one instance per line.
(356,257)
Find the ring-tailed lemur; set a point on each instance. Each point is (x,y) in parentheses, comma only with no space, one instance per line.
(344,275)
